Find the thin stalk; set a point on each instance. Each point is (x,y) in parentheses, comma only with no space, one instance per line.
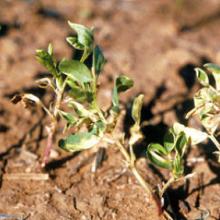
(95,102)
(134,170)
(47,111)
(141,181)
(132,154)
(166,186)
(53,126)
(147,188)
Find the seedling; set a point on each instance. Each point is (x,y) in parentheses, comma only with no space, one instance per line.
(72,83)
(207,102)
(75,88)
(171,154)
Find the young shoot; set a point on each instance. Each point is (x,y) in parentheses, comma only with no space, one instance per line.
(72,83)
(171,154)
(75,88)
(207,102)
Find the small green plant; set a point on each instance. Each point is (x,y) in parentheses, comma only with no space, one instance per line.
(75,88)
(171,154)
(207,102)
(72,83)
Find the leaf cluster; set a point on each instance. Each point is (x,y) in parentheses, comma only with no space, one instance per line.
(75,87)
(170,154)
(207,99)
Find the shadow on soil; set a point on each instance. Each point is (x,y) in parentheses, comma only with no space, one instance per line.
(60,162)
(5,27)
(50,14)
(39,92)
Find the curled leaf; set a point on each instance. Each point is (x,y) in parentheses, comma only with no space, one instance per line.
(135,131)
(44,83)
(47,60)
(181,143)
(27,99)
(98,60)
(84,39)
(81,110)
(177,166)
(202,77)
(169,141)
(73,42)
(122,83)
(136,109)
(16,99)
(215,70)
(157,155)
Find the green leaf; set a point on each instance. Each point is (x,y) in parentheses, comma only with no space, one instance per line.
(181,144)
(79,141)
(98,128)
(135,131)
(73,42)
(136,109)
(78,92)
(75,70)
(84,35)
(47,61)
(156,153)
(98,60)
(202,77)
(169,141)
(71,120)
(81,110)
(122,83)
(178,168)
(215,70)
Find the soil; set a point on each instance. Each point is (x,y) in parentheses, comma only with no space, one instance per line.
(156,43)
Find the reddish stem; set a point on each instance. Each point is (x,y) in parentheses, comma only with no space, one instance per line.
(48,148)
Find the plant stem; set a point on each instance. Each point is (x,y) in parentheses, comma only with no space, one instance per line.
(53,126)
(134,170)
(141,181)
(95,102)
(167,184)
(132,154)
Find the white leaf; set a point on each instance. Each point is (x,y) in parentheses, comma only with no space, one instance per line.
(193,135)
